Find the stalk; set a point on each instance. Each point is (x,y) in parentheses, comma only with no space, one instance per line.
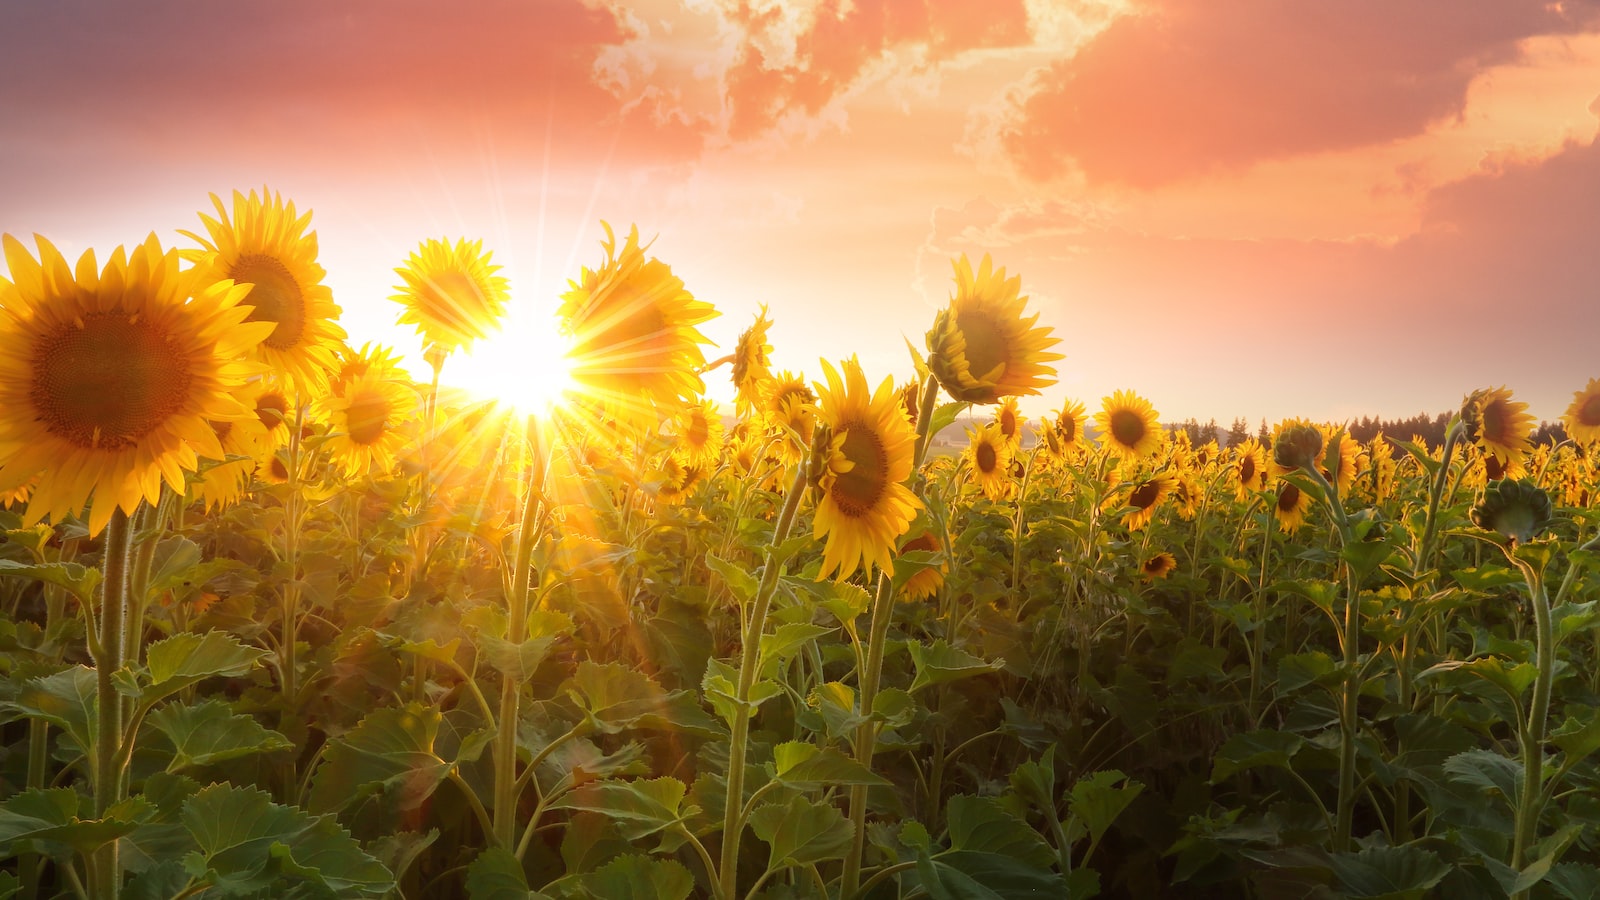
(105,873)
(1349,642)
(1531,733)
(749,659)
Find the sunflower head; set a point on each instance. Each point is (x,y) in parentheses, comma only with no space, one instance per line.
(355,363)
(1518,510)
(926,582)
(1009,418)
(863,457)
(1582,417)
(981,347)
(366,423)
(1497,424)
(110,378)
(699,430)
(1128,425)
(1291,507)
(990,455)
(751,362)
(1298,445)
(632,324)
(1145,497)
(451,293)
(1250,467)
(790,406)
(1158,566)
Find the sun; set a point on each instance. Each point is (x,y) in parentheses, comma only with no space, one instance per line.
(525,365)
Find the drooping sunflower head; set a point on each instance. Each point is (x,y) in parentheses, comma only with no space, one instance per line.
(989,454)
(451,293)
(1250,466)
(1497,424)
(1158,566)
(1582,417)
(632,324)
(1009,418)
(865,506)
(1291,508)
(926,582)
(699,430)
(1128,425)
(110,378)
(264,243)
(752,367)
(367,423)
(1518,510)
(1145,497)
(1340,472)
(981,347)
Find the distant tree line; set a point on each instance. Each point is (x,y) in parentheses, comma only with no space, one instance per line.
(1428,427)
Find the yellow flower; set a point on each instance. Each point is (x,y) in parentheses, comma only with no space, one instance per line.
(1186,496)
(751,368)
(790,405)
(981,348)
(265,244)
(989,454)
(109,379)
(366,423)
(1348,467)
(635,346)
(1582,418)
(865,505)
(926,582)
(222,485)
(1068,427)
(1159,566)
(451,293)
(1291,507)
(355,363)
(1009,418)
(1497,424)
(699,429)
(1145,497)
(1381,457)
(1128,425)
(1250,464)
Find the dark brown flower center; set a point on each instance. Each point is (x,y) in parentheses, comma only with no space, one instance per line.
(272,408)
(1247,469)
(1288,498)
(986,458)
(366,418)
(276,297)
(1589,412)
(1145,495)
(1068,428)
(857,491)
(923,541)
(1128,428)
(108,380)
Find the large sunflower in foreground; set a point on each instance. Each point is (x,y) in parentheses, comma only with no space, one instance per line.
(451,293)
(981,347)
(989,453)
(265,244)
(865,505)
(635,346)
(366,423)
(1129,425)
(1498,424)
(1582,417)
(751,363)
(110,378)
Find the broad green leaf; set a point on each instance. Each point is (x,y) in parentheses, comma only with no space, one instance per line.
(983,825)
(801,831)
(742,584)
(782,644)
(248,844)
(1514,680)
(640,808)
(1297,670)
(1388,873)
(497,875)
(1255,749)
(47,821)
(65,700)
(971,875)
(1035,782)
(1487,771)
(617,697)
(803,764)
(941,663)
(517,661)
(1420,454)
(210,732)
(75,578)
(1574,881)
(399,850)
(1572,618)
(944,415)
(836,702)
(187,658)
(1578,738)
(1365,556)
(390,750)
(639,876)
(721,690)
(893,707)
(1098,799)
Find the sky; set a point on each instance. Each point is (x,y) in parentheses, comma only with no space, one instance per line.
(1237,208)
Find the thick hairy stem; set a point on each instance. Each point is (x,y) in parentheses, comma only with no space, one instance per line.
(1534,729)
(105,871)
(505,748)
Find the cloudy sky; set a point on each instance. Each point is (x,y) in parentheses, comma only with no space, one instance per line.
(1241,207)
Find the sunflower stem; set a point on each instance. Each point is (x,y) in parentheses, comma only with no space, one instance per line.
(1531,734)
(1349,642)
(749,661)
(289,676)
(105,871)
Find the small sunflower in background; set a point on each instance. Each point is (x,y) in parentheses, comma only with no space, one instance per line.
(1158,566)
(1129,426)
(110,378)
(1009,418)
(1250,468)
(635,348)
(981,347)
(699,430)
(790,405)
(865,506)
(223,484)
(1497,424)
(1186,496)
(926,582)
(1342,472)
(366,423)
(269,400)
(1291,507)
(1380,455)
(1146,497)
(264,243)
(452,294)
(1582,417)
(355,363)
(1068,427)
(989,454)
(752,363)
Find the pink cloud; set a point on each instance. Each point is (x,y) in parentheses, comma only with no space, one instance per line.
(1177,89)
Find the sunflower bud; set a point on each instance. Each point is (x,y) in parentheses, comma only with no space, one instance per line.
(1298,447)
(1516,509)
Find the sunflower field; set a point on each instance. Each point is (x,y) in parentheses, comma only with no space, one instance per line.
(278,621)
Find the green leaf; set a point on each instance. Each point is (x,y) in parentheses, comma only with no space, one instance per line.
(944,415)
(802,831)
(720,689)
(635,875)
(803,764)
(1365,556)
(210,732)
(1514,681)
(187,658)
(47,821)
(65,700)
(517,661)
(1388,873)
(77,579)
(1487,771)
(1035,782)
(640,808)
(1575,881)
(741,583)
(1297,670)
(982,824)
(1098,799)
(617,697)
(941,663)
(1578,738)
(391,750)
(836,702)
(1255,749)
(497,875)
(248,844)
(782,644)
(893,707)
(971,875)
(1420,454)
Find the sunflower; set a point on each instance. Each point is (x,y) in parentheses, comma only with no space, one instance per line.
(1068,427)
(1186,496)
(981,348)
(109,378)
(1145,497)
(1582,417)
(1497,424)
(265,244)
(911,400)
(635,347)
(1159,566)
(1250,465)
(1009,418)
(1380,455)
(19,494)
(365,423)
(451,293)
(790,405)
(1128,425)
(865,505)
(751,366)
(1291,507)
(699,429)
(989,454)
(274,416)
(1342,472)
(222,485)
(926,582)
(355,363)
